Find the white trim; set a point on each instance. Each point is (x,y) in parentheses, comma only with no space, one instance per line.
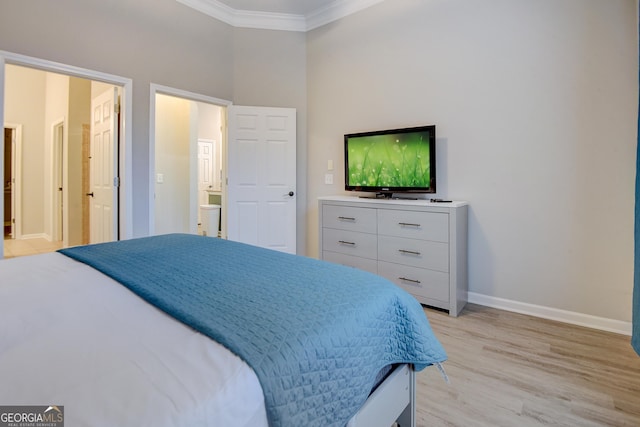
(572,317)
(213,8)
(57,67)
(166,90)
(192,96)
(126,145)
(270,21)
(246,18)
(37,236)
(335,10)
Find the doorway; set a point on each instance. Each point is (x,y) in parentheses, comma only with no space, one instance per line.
(259,142)
(8,183)
(188,163)
(55,161)
(53,109)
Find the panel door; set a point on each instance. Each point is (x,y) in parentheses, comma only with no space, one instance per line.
(103,167)
(262,177)
(205,170)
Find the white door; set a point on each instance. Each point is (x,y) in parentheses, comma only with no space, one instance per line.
(58,172)
(205,172)
(261,202)
(103,167)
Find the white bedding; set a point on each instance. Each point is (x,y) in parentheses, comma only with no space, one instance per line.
(71,336)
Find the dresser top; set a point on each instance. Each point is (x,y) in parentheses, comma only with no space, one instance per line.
(391,202)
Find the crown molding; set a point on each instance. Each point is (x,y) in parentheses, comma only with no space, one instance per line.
(279,21)
(270,21)
(335,10)
(212,8)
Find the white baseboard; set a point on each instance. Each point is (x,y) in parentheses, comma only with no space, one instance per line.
(580,319)
(35,236)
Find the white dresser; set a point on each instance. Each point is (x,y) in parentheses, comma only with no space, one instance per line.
(418,245)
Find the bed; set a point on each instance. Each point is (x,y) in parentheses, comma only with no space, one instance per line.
(183,330)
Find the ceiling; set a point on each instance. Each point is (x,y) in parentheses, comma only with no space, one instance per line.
(287,15)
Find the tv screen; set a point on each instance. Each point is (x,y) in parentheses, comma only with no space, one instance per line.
(391,161)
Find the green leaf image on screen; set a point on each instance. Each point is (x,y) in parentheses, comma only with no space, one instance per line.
(395,160)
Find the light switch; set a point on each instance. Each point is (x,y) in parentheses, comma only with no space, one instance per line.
(329,165)
(328,178)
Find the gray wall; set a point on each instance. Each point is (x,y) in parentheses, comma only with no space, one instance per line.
(535,104)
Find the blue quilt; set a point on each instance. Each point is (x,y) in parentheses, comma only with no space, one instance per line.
(315,333)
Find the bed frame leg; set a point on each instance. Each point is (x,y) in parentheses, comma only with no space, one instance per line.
(408,417)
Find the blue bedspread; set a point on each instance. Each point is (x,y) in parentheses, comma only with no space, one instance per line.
(315,333)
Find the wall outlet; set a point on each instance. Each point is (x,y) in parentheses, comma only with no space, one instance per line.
(328,178)
(160,178)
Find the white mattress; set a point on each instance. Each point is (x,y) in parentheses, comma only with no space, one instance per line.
(71,336)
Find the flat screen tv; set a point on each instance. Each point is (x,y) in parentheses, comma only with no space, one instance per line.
(391,161)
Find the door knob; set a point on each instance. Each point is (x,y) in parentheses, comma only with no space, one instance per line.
(291,193)
(90,194)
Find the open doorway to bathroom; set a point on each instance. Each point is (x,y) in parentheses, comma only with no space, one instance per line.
(188,166)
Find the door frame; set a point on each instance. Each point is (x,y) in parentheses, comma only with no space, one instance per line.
(191,96)
(125,149)
(16,174)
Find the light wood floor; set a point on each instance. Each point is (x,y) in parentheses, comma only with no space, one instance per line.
(14,248)
(508,369)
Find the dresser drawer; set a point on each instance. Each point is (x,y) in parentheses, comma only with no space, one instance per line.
(417,253)
(417,281)
(366,264)
(350,242)
(432,226)
(349,218)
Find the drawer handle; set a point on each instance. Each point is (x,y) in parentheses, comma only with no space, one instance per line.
(346,218)
(408,224)
(346,243)
(417,282)
(404,251)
